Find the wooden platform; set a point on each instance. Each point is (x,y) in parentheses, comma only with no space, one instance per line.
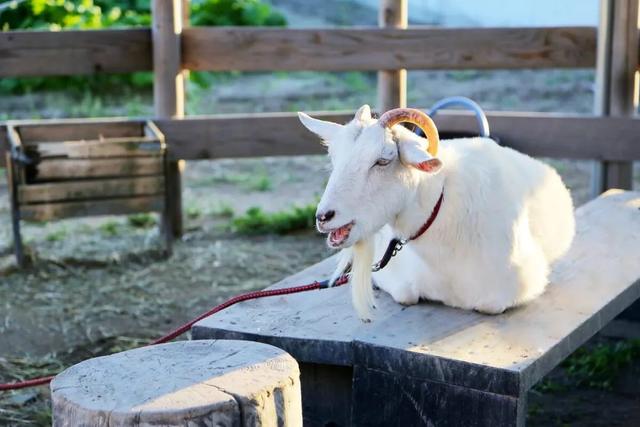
(433,364)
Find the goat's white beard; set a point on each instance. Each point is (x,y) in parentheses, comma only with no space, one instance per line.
(360,255)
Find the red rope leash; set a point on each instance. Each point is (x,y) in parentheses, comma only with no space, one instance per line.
(184,328)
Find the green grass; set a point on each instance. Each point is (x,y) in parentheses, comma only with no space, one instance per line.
(110,228)
(256,221)
(141,220)
(260,183)
(223,210)
(56,236)
(193,212)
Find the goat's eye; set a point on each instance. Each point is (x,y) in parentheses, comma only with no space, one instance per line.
(382,162)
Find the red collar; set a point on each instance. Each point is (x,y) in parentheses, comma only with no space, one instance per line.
(431,219)
(395,245)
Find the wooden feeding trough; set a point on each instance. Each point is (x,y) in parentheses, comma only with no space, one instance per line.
(57,171)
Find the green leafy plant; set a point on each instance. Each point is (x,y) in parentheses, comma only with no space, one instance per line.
(57,235)
(141,220)
(256,221)
(259,183)
(598,367)
(110,228)
(55,15)
(193,212)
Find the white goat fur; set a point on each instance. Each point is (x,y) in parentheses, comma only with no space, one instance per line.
(505,217)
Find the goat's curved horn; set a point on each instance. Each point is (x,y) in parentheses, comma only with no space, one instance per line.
(418,118)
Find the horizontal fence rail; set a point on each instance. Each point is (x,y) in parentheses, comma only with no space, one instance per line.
(49,53)
(281,134)
(261,49)
(46,53)
(275,134)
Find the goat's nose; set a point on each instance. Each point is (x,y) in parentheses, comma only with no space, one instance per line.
(325,216)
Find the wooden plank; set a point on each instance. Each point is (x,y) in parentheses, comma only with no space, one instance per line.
(504,354)
(138,146)
(64,169)
(168,95)
(117,206)
(76,129)
(50,53)
(281,134)
(392,84)
(93,189)
(269,49)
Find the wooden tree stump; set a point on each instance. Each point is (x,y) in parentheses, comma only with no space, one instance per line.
(187,383)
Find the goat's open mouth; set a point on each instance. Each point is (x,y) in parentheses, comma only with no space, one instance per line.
(339,235)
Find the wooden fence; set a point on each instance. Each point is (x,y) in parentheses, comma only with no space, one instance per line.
(169,49)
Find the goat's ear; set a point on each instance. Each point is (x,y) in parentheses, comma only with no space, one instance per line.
(363,114)
(325,130)
(413,152)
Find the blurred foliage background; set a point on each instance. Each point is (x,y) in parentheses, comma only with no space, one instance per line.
(56,15)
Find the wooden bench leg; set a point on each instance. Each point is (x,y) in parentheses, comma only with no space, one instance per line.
(174,192)
(383,399)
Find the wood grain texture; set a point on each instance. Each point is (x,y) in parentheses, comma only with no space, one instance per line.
(48,53)
(278,134)
(392,84)
(168,94)
(113,147)
(76,129)
(92,189)
(186,383)
(210,48)
(116,206)
(281,134)
(382,399)
(69,169)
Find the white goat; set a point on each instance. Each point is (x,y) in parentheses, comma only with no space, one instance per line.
(504,217)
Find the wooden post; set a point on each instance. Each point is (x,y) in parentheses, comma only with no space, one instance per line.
(616,87)
(168,92)
(15,210)
(392,84)
(184,383)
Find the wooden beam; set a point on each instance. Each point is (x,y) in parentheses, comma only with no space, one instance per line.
(83,149)
(50,53)
(392,84)
(66,169)
(116,206)
(251,49)
(93,189)
(281,134)
(76,129)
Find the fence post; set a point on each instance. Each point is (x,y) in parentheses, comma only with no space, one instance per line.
(616,87)
(392,84)
(168,90)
